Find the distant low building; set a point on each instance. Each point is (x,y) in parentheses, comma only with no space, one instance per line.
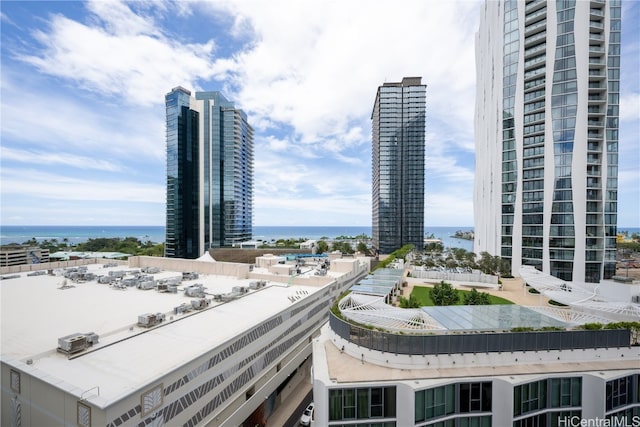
(20,255)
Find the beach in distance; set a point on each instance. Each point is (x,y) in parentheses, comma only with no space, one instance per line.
(78,234)
(156,234)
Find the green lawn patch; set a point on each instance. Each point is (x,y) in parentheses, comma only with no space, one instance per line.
(422,293)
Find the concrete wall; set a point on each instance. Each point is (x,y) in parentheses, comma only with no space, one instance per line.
(177,264)
(41,403)
(14,269)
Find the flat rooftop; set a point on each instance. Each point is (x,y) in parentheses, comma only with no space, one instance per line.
(37,310)
(344,368)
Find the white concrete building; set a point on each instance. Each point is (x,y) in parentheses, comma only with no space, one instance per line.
(459,366)
(152,344)
(546,131)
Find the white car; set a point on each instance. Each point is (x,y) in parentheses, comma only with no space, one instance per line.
(307,415)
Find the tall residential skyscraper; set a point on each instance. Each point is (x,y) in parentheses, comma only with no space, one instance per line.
(547,135)
(398,131)
(209,173)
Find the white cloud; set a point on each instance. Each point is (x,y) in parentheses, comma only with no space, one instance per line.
(120,54)
(50,186)
(58,158)
(630,107)
(61,122)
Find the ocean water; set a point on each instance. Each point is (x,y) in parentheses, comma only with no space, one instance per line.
(79,234)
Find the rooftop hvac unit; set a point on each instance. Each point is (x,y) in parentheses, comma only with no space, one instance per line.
(171,280)
(182,308)
(77,342)
(195,291)
(189,275)
(129,282)
(258,284)
(239,290)
(163,287)
(105,279)
(199,304)
(145,286)
(118,273)
(149,319)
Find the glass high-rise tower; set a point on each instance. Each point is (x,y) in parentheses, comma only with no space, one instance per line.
(209,173)
(547,135)
(398,134)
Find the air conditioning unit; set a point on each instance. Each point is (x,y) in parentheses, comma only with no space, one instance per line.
(149,319)
(194,291)
(77,342)
(199,304)
(636,299)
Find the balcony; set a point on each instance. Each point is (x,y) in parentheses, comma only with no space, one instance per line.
(595,123)
(595,110)
(528,41)
(591,134)
(593,170)
(596,49)
(596,12)
(535,17)
(596,98)
(593,159)
(535,28)
(535,5)
(593,182)
(542,47)
(595,24)
(535,61)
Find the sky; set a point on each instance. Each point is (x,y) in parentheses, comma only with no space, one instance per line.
(83,117)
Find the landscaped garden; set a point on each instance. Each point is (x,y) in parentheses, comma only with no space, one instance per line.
(423,295)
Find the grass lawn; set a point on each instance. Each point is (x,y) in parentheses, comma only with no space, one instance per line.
(422,293)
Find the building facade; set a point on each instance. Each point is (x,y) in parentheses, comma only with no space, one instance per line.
(398,134)
(209,173)
(161,352)
(460,366)
(546,131)
(20,255)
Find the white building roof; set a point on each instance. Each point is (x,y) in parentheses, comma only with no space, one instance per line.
(35,312)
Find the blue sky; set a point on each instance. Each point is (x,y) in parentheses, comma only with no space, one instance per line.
(83,85)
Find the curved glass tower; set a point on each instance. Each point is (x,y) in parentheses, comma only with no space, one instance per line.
(209,173)
(547,135)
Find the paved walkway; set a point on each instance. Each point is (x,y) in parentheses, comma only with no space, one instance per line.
(287,407)
(512,289)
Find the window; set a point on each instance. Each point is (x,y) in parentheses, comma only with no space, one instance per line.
(151,399)
(83,415)
(362,403)
(15,381)
(620,392)
(475,397)
(565,392)
(529,397)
